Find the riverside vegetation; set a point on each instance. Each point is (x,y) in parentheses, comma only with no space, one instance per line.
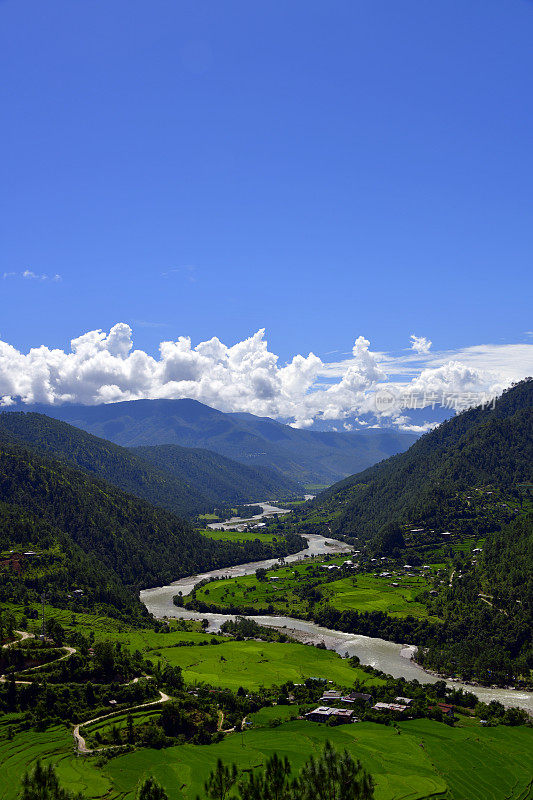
(166,709)
(460,497)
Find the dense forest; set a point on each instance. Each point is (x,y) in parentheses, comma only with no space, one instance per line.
(487,612)
(219,479)
(88,535)
(491,446)
(186,482)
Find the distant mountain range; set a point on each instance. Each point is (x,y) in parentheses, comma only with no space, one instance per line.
(301,455)
(182,480)
(482,447)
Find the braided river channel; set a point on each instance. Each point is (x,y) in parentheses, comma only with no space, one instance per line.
(393,659)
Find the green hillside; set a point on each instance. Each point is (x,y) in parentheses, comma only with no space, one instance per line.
(482,447)
(186,482)
(221,479)
(89,535)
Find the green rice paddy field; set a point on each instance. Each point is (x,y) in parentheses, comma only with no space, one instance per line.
(370,593)
(228,664)
(239,536)
(253,664)
(119,721)
(418,759)
(106,628)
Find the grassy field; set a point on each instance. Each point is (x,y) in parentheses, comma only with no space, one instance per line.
(315,488)
(377,594)
(239,536)
(106,628)
(228,664)
(253,664)
(417,759)
(423,760)
(363,592)
(263,717)
(54,745)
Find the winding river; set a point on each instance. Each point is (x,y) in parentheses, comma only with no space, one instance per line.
(239,523)
(393,659)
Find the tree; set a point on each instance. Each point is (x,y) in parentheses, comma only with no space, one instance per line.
(172,719)
(220,781)
(390,538)
(333,776)
(172,676)
(43,784)
(131,733)
(11,698)
(90,697)
(271,784)
(150,789)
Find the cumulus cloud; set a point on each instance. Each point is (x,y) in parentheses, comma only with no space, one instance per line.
(420,344)
(104,367)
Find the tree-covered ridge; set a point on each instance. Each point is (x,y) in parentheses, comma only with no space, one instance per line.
(220,479)
(104,539)
(480,447)
(306,456)
(186,482)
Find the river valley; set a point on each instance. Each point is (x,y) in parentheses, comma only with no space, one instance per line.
(393,659)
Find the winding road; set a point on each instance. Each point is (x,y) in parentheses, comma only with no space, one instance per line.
(79,741)
(81,747)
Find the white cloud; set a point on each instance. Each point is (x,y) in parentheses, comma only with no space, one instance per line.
(105,367)
(420,344)
(30,275)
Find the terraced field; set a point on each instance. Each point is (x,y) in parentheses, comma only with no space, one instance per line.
(53,745)
(253,664)
(120,721)
(377,594)
(408,763)
(414,760)
(106,628)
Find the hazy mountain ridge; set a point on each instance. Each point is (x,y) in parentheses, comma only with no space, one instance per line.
(222,479)
(195,482)
(302,455)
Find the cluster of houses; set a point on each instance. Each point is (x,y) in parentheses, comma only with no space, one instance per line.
(342,715)
(15,561)
(348,564)
(333,714)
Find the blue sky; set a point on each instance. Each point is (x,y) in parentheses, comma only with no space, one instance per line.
(322,170)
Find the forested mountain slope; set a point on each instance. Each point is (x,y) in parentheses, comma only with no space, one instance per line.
(488,613)
(480,447)
(221,479)
(98,536)
(301,455)
(187,482)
